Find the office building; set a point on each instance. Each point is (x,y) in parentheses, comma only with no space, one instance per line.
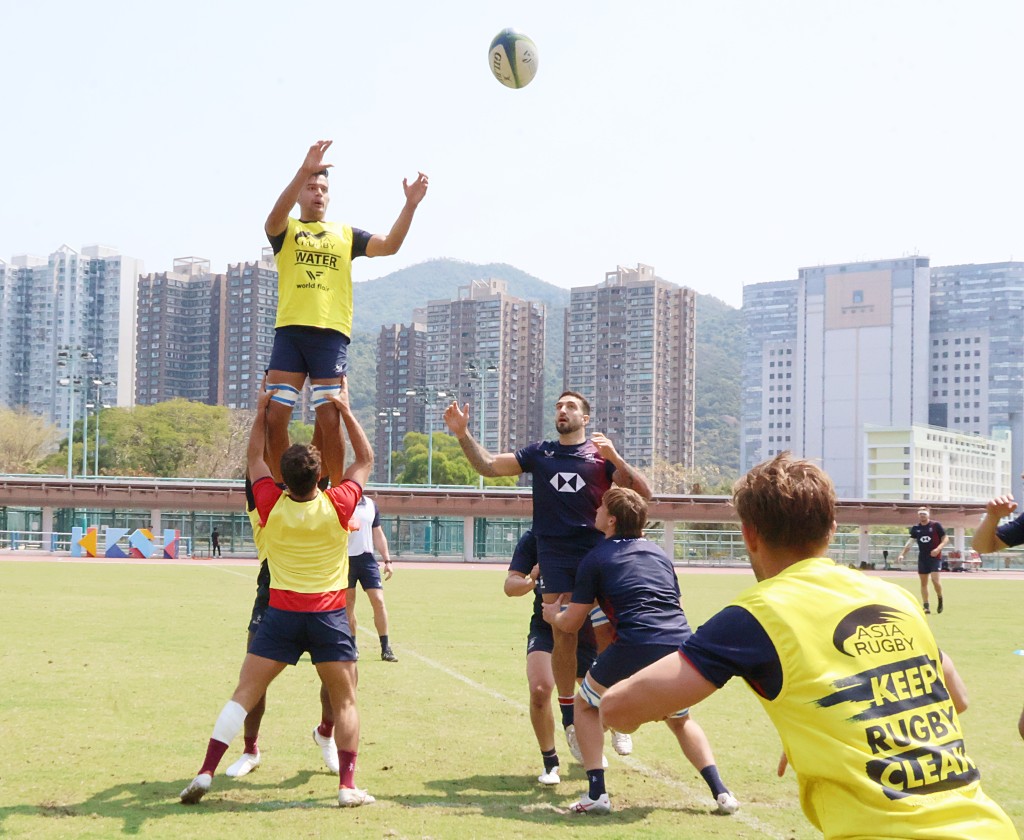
(931,464)
(976,353)
(860,357)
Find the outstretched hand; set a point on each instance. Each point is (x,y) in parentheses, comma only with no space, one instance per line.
(415,191)
(314,161)
(456,419)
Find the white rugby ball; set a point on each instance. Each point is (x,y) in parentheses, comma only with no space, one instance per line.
(513,58)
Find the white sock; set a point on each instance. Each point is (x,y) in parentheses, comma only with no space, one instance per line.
(229,722)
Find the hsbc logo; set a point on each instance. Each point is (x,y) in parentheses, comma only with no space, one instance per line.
(567,482)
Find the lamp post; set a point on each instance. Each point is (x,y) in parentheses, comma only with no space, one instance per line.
(478,370)
(429,398)
(389,414)
(98,384)
(68,357)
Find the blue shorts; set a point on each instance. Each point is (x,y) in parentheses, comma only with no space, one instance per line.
(559,557)
(541,640)
(363,569)
(259,606)
(926,564)
(322,354)
(619,661)
(284,636)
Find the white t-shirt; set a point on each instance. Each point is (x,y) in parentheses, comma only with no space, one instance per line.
(361,541)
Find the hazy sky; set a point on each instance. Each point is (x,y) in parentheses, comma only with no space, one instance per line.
(722,142)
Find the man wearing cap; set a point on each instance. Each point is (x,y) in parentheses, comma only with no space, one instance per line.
(930,537)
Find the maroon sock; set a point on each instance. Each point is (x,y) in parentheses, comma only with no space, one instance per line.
(250,745)
(214,753)
(347,760)
(326,728)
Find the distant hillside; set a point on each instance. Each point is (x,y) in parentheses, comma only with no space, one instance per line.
(391,299)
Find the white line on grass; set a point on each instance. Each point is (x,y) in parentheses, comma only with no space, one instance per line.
(639,767)
(652,773)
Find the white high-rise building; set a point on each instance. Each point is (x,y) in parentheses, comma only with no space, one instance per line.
(859,357)
(69,321)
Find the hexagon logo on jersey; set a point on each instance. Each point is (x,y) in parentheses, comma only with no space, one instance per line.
(567,482)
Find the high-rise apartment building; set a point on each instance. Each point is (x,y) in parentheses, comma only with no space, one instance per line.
(401,366)
(204,336)
(630,350)
(489,347)
(68,323)
(179,333)
(859,358)
(250,309)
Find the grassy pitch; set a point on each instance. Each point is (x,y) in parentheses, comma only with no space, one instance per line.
(112,677)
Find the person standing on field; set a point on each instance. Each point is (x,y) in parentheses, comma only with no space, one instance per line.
(930,537)
(570,475)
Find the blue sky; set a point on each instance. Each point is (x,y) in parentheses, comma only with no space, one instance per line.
(724,143)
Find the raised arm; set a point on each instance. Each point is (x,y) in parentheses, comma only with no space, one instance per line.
(491,466)
(256,465)
(362,453)
(985,540)
(277,221)
(385,246)
(624,475)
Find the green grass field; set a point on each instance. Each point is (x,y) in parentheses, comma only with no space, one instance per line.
(112,677)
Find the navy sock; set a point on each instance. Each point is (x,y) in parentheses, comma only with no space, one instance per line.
(710,774)
(567,707)
(596,779)
(383,643)
(550,760)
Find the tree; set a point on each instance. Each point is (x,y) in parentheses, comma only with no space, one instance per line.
(224,455)
(450,465)
(162,439)
(25,439)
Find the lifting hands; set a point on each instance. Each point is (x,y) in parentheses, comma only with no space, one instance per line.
(457,420)
(415,191)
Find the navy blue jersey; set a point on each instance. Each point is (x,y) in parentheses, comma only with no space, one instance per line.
(635,584)
(1012,533)
(732,643)
(568,484)
(928,537)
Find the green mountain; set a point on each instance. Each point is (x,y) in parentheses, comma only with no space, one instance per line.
(391,299)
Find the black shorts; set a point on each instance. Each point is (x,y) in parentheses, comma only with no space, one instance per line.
(363,569)
(259,606)
(284,636)
(618,662)
(323,354)
(541,640)
(559,557)
(926,564)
